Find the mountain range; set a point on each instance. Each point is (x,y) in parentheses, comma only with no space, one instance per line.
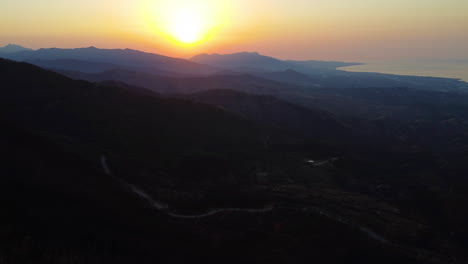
(12,48)
(253,61)
(124,58)
(121,156)
(303,73)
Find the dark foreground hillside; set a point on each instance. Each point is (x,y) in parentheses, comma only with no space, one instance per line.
(109,173)
(57,208)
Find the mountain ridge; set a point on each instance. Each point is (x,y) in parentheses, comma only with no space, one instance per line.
(255,60)
(122,57)
(12,48)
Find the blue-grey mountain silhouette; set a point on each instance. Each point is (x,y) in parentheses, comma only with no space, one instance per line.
(12,48)
(253,61)
(124,58)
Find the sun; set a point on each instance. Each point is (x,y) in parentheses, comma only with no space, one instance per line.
(187,26)
(187,22)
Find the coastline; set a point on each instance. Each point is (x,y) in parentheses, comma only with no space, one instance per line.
(424,69)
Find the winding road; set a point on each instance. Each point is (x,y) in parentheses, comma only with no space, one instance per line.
(163,207)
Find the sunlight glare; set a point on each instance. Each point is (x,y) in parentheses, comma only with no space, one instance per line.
(188,22)
(187,26)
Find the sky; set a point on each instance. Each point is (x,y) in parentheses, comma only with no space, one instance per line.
(347,30)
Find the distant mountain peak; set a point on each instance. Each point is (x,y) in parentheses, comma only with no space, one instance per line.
(250,53)
(243,53)
(245,61)
(12,48)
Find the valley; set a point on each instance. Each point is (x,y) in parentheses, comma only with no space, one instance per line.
(114,165)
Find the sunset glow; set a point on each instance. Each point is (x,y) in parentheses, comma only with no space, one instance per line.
(187,26)
(186,22)
(296,29)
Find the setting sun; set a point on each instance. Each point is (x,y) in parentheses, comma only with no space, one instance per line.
(187,21)
(187,27)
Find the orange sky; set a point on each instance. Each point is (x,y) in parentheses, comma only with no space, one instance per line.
(293,29)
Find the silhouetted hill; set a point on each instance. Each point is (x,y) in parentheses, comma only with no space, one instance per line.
(290,77)
(297,98)
(88,67)
(55,203)
(119,119)
(253,61)
(11,48)
(58,207)
(126,58)
(86,164)
(179,85)
(249,61)
(312,123)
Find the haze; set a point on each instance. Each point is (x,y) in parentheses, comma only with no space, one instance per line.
(295,29)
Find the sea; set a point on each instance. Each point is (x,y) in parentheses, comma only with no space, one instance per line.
(457,69)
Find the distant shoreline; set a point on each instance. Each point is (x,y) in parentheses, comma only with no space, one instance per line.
(424,69)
